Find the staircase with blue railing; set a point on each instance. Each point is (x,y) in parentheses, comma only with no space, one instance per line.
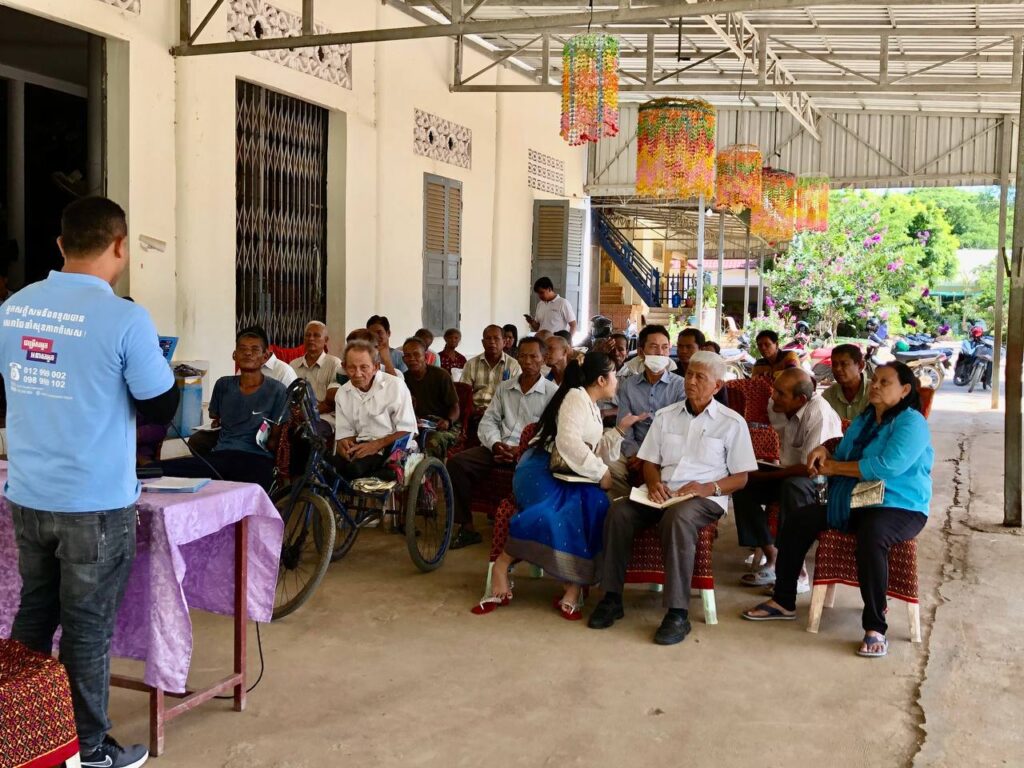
(645,279)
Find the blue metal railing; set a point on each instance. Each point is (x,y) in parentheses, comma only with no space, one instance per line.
(645,279)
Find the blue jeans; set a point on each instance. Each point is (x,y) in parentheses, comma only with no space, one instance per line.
(74,568)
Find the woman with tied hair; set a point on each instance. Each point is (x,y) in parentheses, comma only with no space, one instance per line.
(889,442)
(560,524)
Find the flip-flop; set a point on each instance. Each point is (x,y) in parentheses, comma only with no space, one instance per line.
(873,640)
(774,614)
(489,604)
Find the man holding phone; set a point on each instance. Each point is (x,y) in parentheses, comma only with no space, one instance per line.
(554,313)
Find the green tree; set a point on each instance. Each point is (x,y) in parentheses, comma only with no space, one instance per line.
(880,253)
(981,305)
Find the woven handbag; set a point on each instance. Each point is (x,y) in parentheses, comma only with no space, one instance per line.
(869,493)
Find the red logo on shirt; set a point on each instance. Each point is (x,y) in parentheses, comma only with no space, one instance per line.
(34,344)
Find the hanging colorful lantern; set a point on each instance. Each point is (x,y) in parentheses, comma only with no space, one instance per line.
(675,149)
(738,184)
(590,88)
(812,203)
(774,219)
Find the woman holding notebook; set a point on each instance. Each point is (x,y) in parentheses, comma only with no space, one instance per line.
(560,487)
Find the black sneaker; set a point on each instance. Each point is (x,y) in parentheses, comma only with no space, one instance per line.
(110,754)
(673,629)
(606,613)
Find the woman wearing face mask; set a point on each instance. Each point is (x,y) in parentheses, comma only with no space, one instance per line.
(560,524)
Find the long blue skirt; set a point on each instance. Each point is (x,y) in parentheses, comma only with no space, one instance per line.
(560,525)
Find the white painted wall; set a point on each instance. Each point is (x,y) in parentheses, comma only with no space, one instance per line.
(171,157)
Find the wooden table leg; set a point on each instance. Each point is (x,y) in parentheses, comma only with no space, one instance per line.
(241,607)
(156,722)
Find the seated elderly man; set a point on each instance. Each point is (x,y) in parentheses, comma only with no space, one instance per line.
(485,372)
(697,450)
(321,371)
(433,397)
(557,352)
(616,347)
(518,402)
(371,411)
(849,395)
(804,421)
(644,395)
(243,451)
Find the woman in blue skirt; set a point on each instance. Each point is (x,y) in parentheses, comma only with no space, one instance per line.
(560,523)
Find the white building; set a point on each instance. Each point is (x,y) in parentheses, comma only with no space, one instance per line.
(167,152)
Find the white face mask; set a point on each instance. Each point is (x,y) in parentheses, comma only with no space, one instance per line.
(656,363)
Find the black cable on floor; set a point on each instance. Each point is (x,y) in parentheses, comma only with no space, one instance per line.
(259,645)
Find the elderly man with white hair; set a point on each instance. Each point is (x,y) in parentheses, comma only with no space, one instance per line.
(697,450)
(321,370)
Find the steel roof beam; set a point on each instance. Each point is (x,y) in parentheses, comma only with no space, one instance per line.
(958,86)
(534,24)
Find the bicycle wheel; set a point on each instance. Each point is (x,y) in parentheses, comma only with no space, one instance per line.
(303,561)
(429,514)
(976,374)
(344,536)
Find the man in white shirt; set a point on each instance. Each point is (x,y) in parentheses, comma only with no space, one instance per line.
(372,411)
(274,368)
(516,403)
(696,448)
(321,371)
(804,421)
(554,313)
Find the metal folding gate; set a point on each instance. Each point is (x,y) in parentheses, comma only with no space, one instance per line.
(281,215)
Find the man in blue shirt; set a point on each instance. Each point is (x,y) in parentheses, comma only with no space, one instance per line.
(656,388)
(238,406)
(79,362)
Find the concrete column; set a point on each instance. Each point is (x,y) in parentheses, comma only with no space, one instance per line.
(746,283)
(1015,351)
(698,305)
(1005,140)
(721,271)
(16,177)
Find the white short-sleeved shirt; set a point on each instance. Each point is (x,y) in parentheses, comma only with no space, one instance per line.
(384,409)
(808,428)
(702,448)
(554,315)
(278,369)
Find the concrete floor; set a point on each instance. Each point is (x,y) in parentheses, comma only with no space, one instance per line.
(387,667)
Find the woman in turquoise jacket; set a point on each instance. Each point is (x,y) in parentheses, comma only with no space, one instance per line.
(889,442)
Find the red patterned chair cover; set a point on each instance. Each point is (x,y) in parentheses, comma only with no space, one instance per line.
(647,562)
(37,721)
(766,443)
(507,506)
(836,563)
(287,354)
(468,438)
(487,497)
(755,394)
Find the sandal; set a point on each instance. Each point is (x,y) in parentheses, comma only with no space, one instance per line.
(773,614)
(870,640)
(492,603)
(570,611)
(761,578)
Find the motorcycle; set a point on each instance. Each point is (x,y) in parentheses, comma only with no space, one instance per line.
(739,362)
(926,364)
(974,366)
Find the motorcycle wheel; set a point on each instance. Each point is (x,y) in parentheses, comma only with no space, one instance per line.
(929,376)
(976,374)
(823,374)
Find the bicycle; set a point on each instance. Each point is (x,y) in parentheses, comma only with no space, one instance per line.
(323,512)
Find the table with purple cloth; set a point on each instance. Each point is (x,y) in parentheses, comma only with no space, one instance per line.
(215,550)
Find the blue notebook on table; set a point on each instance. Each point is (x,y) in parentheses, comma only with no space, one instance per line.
(175,484)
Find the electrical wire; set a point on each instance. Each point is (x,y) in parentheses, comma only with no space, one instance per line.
(251,688)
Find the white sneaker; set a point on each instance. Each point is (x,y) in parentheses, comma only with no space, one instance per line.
(803,585)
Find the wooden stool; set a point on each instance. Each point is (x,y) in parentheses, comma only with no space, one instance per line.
(836,563)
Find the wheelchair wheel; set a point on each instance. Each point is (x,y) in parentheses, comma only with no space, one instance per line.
(344,537)
(305,550)
(429,513)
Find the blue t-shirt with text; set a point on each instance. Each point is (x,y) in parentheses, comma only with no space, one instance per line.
(73,356)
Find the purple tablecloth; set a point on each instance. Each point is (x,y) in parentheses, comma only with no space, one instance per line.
(185,559)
